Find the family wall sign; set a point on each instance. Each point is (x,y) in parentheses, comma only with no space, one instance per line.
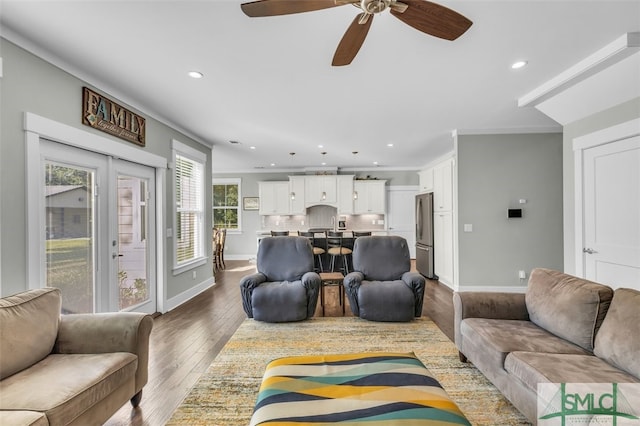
(103,114)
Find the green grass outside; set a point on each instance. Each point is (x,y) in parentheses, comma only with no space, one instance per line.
(70,268)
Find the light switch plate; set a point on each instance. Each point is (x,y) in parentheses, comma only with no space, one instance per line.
(468,227)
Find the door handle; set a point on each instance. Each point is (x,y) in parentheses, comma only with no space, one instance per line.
(114,255)
(588,250)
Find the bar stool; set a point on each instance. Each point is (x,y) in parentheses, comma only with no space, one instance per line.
(317,250)
(279,233)
(357,234)
(335,248)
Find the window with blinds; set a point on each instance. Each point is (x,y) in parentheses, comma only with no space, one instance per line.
(189,198)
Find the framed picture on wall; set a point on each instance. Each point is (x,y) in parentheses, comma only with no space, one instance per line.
(250,203)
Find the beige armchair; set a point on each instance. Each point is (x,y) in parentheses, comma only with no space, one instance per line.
(68,369)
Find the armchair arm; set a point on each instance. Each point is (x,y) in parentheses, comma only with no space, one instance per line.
(416,282)
(311,282)
(105,333)
(492,305)
(351,284)
(247,284)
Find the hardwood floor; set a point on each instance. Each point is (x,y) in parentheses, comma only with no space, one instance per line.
(185,341)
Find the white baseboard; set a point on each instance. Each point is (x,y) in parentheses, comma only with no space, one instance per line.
(240,256)
(185,296)
(493,289)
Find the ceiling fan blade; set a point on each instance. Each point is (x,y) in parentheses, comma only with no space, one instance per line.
(285,7)
(352,40)
(433,19)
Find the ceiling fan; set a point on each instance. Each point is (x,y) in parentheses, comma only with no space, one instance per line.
(423,15)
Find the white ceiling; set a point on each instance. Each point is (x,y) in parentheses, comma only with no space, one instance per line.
(269,83)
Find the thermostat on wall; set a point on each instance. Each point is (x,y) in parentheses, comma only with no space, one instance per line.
(515,213)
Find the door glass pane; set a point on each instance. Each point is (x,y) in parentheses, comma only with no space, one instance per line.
(69,235)
(133,283)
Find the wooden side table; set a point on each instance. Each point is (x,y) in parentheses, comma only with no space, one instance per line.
(332,279)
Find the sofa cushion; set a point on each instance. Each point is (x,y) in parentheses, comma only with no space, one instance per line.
(567,306)
(495,339)
(64,386)
(533,368)
(618,340)
(23,418)
(28,328)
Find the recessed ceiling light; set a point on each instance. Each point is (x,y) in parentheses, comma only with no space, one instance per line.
(323,164)
(195,74)
(518,65)
(390,145)
(252,147)
(375,162)
(320,146)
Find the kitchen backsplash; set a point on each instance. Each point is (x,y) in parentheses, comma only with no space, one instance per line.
(321,217)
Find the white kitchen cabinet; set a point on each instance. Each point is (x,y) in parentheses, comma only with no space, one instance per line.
(371,197)
(296,195)
(443,186)
(443,247)
(345,194)
(426,180)
(320,190)
(274,198)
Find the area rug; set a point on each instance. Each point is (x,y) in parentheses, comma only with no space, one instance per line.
(226,393)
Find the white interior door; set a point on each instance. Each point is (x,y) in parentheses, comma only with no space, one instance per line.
(612,213)
(97,230)
(401,220)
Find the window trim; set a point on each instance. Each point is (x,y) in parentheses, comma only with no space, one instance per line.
(230,181)
(179,148)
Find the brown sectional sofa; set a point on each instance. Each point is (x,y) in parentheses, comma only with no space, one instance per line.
(564,329)
(68,370)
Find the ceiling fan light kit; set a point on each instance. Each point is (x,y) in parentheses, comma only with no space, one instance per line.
(425,16)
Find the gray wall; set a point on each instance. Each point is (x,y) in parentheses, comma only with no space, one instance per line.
(244,245)
(494,173)
(30,84)
(619,114)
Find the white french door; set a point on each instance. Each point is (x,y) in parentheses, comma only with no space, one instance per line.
(133,237)
(99,231)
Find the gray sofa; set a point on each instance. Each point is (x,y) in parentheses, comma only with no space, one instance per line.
(68,370)
(382,286)
(285,288)
(564,329)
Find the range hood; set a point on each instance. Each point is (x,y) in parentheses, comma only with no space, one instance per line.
(322,216)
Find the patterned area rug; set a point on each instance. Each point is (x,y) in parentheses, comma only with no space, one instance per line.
(226,393)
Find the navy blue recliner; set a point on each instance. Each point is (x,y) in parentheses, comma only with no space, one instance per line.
(285,288)
(382,288)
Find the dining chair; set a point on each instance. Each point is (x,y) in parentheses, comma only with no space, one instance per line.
(214,243)
(219,253)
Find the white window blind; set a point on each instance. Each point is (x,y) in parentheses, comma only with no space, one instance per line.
(189,198)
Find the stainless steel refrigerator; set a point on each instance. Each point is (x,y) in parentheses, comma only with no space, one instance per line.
(424,235)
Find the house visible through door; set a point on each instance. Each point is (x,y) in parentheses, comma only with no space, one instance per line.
(99,233)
